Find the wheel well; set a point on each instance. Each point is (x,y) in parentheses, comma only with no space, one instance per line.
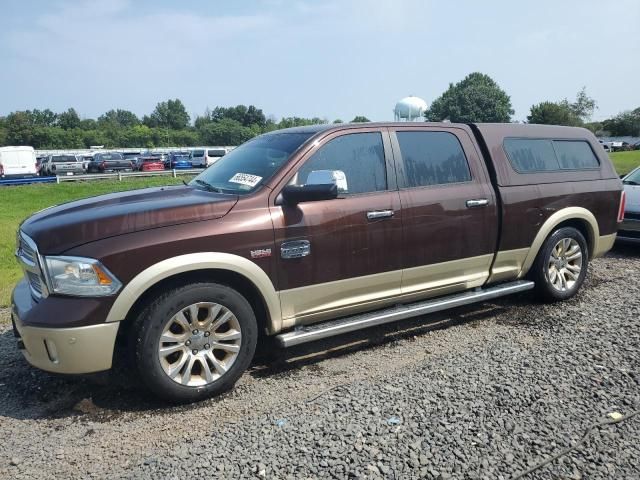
(225,277)
(583,227)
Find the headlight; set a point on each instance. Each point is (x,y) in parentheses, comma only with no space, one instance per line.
(84,277)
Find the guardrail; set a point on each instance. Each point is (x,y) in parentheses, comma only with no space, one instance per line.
(120,175)
(100,176)
(25,181)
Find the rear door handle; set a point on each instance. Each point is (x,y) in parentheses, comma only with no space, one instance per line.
(478,202)
(378,214)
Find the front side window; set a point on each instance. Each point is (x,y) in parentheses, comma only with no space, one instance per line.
(354,161)
(432,158)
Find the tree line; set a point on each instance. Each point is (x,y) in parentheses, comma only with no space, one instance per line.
(168,125)
(476,98)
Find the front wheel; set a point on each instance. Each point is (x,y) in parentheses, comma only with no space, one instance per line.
(195,341)
(561,265)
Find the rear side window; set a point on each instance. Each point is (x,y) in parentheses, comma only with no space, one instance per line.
(432,158)
(359,156)
(529,155)
(575,155)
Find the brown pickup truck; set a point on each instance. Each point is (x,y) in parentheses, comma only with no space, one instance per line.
(305,233)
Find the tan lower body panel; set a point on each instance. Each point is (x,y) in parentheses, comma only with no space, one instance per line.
(312,300)
(508,265)
(315,303)
(69,350)
(605,243)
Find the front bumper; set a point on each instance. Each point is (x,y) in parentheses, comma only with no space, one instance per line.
(75,350)
(629,229)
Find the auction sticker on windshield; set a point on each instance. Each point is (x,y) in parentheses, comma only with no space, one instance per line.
(246,179)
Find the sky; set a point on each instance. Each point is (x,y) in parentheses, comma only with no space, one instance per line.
(329,59)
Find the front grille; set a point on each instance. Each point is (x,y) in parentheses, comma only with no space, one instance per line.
(35,283)
(632,215)
(26,251)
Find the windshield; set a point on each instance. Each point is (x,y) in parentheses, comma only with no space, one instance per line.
(245,168)
(198,153)
(64,158)
(633,178)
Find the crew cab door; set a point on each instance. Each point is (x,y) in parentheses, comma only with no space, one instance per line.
(450,218)
(341,255)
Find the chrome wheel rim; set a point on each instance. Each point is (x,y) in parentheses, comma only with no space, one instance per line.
(565,264)
(199,344)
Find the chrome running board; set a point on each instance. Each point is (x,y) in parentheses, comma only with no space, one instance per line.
(357,322)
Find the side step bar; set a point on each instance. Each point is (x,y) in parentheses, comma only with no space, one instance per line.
(357,322)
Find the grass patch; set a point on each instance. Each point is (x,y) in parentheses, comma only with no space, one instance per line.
(625,161)
(19,202)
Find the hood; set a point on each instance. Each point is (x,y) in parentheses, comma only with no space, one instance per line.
(65,226)
(632,203)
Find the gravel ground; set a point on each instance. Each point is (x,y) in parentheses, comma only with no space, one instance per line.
(480,392)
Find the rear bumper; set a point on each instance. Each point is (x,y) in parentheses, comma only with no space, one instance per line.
(75,350)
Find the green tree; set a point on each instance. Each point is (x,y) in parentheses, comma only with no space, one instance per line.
(88,124)
(225,132)
(119,117)
(69,119)
(19,128)
(360,119)
(477,98)
(625,123)
(573,114)
(289,122)
(552,113)
(43,118)
(338,120)
(171,114)
(584,106)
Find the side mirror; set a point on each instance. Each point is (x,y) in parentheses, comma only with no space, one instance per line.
(294,194)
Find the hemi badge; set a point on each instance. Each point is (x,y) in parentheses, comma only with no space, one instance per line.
(261,253)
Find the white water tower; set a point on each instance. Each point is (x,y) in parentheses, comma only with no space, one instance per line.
(409,109)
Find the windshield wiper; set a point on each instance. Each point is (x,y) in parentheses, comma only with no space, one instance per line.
(208,186)
(630,182)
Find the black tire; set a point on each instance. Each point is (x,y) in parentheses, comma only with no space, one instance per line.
(149,326)
(549,285)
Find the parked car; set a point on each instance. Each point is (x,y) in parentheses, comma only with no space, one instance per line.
(630,227)
(178,160)
(305,233)
(17,162)
(109,162)
(131,156)
(39,161)
(59,165)
(198,158)
(149,162)
(215,154)
(86,159)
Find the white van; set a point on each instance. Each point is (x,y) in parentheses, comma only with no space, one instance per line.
(17,162)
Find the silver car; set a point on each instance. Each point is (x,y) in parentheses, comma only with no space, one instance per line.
(630,227)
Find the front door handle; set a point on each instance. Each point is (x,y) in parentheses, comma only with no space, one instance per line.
(378,214)
(479,202)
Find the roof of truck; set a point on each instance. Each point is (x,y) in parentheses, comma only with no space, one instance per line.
(506,129)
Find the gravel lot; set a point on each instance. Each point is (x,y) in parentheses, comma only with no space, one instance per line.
(480,392)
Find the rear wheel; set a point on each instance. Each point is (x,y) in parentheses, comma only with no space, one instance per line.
(561,265)
(195,341)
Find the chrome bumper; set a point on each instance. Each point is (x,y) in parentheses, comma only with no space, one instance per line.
(62,350)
